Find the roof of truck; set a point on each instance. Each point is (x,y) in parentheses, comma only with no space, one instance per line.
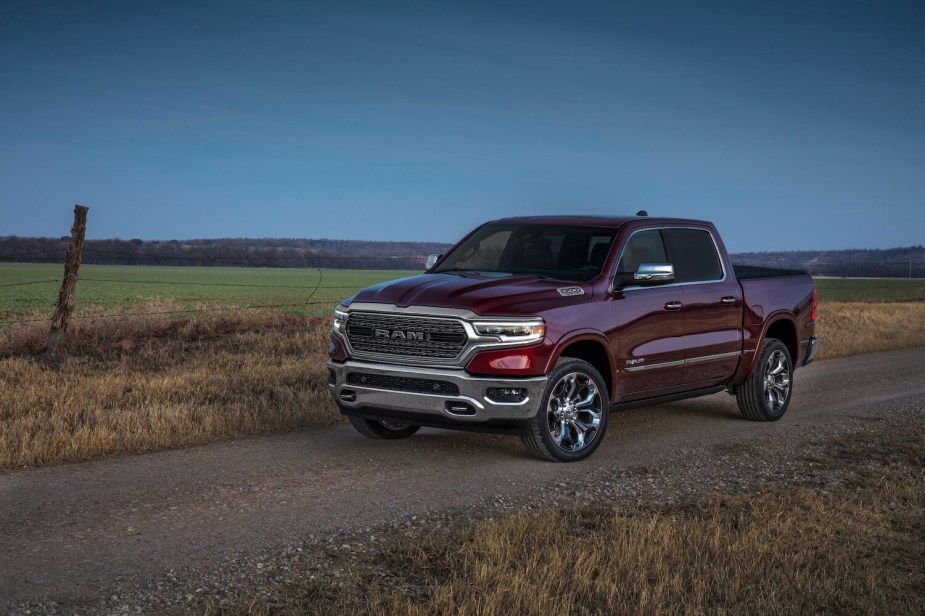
(595,221)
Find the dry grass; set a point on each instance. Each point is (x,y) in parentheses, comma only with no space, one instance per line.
(154,382)
(855,549)
(853,328)
(139,385)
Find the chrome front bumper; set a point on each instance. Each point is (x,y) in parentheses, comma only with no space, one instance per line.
(437,406)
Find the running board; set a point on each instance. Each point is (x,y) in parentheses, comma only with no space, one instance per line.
(622,406)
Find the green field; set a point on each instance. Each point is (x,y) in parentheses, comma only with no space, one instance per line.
(31,290)
(870,289)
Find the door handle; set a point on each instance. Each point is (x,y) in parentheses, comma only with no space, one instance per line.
(673,306)
(729,300)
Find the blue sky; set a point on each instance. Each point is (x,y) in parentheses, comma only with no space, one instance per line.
(792,125)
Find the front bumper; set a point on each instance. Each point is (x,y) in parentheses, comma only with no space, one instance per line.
(470,407)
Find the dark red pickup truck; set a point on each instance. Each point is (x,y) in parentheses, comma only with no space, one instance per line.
(541,326)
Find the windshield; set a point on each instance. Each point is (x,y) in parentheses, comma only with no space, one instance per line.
(553,251)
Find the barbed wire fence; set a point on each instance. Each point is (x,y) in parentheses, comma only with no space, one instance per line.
(240,301)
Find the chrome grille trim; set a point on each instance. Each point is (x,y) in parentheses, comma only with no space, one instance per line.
(443,338)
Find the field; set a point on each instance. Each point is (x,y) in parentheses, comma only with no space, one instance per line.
(870,289)
(31,290)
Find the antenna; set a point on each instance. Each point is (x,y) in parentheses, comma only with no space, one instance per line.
(642,213)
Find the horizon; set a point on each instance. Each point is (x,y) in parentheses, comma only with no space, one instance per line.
(791,126)
(62,238)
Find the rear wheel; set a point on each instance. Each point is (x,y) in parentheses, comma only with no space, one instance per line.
(572,418)
(766,394)
(386,429)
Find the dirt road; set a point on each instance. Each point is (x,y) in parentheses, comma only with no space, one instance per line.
(71,531)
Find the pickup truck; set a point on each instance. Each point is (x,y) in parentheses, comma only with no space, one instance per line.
(541,326)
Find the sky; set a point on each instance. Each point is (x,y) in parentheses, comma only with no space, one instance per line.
(790,124)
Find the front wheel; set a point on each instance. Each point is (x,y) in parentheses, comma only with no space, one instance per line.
(572,418)
(766,394)
(386,429)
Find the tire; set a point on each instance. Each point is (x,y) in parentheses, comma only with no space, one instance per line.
(385,429)
(765,396)
(572,417)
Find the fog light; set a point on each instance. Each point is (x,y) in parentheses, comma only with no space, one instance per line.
(506,394)
(332,377)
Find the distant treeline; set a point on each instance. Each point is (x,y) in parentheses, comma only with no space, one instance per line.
(873,263)
(355,254)
(340,254)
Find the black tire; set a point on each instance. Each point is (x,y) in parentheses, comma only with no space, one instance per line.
(372,428)
(572,417)
(765,396)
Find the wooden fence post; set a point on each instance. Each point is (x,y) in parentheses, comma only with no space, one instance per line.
(69,284)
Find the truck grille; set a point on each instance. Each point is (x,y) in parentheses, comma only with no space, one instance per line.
(408,336)
(401,383)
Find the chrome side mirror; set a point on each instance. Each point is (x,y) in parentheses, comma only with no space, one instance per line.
(432,261)
(654,273)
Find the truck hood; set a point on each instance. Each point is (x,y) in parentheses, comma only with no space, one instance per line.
(485,295)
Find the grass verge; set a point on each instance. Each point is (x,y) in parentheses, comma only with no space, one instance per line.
(852,328)
(855,548)
(143,384)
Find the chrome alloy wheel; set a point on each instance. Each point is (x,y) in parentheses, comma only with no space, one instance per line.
(574,410)
(776,381)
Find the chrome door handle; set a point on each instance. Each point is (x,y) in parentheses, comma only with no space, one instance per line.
(673,306)
(729,300)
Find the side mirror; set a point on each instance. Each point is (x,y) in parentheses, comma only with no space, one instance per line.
(647,274)
(654,273)
(432,261)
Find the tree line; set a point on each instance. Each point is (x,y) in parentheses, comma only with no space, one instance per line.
(357,254)
(240,252)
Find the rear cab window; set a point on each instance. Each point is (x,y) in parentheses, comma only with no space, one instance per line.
(694,255)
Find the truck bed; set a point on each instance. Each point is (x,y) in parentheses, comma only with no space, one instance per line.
(744,272)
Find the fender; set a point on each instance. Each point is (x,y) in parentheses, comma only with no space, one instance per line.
(750,355)
(590,336)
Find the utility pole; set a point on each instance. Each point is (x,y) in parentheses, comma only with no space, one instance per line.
(69,284)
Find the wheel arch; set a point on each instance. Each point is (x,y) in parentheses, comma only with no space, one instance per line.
(784,328)
(780,326)
(593,349)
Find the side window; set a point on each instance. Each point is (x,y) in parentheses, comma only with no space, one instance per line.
(694,254)
(642,247)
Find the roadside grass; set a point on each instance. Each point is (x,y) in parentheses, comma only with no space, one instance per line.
(148,383)
(852,328)
(161,377)
(856,547)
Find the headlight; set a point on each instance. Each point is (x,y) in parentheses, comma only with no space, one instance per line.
(340,320)
(512,331)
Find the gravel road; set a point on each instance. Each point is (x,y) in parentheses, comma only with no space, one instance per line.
(153,532)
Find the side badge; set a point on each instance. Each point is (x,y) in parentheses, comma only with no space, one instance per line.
(570,291)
